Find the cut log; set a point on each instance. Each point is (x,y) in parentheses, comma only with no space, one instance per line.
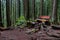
(45,17)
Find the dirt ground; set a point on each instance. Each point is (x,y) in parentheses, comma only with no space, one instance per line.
(17,34)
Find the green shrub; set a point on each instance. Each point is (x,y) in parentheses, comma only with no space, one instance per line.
(21,21)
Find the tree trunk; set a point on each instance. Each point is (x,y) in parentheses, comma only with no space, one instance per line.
(8,12)
(41,7)
(0,15)
(54,14)
(3,13)
(37,8)
(31,9)
(21,8)
(26,4)
(58,11)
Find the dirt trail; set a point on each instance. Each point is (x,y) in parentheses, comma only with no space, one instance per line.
(21,35)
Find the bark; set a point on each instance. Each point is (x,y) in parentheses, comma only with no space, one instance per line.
(31,9)
(3,13)
(0,15)
(8,12)
(17,9)
(0,10)
(21,8)
(41,7)
(54,14)
(26,8)
(37,8)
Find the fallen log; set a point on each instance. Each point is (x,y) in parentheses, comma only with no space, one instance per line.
(56,27)
(3,29)
(53,34)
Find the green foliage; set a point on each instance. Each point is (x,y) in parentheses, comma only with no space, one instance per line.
(21,21)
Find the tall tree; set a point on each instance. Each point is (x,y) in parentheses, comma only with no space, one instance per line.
(58,11)
(0,15)
(45,2)
(37,8)
(13,12)
(3,13)
(17,8)
(26,6)
(21,8)
(54,14)
(41,7)
(31,9)
(0,10)
(8,12)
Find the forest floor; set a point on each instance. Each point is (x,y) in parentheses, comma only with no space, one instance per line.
(20,34)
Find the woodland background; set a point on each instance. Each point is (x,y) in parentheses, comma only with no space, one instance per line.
(16,12)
